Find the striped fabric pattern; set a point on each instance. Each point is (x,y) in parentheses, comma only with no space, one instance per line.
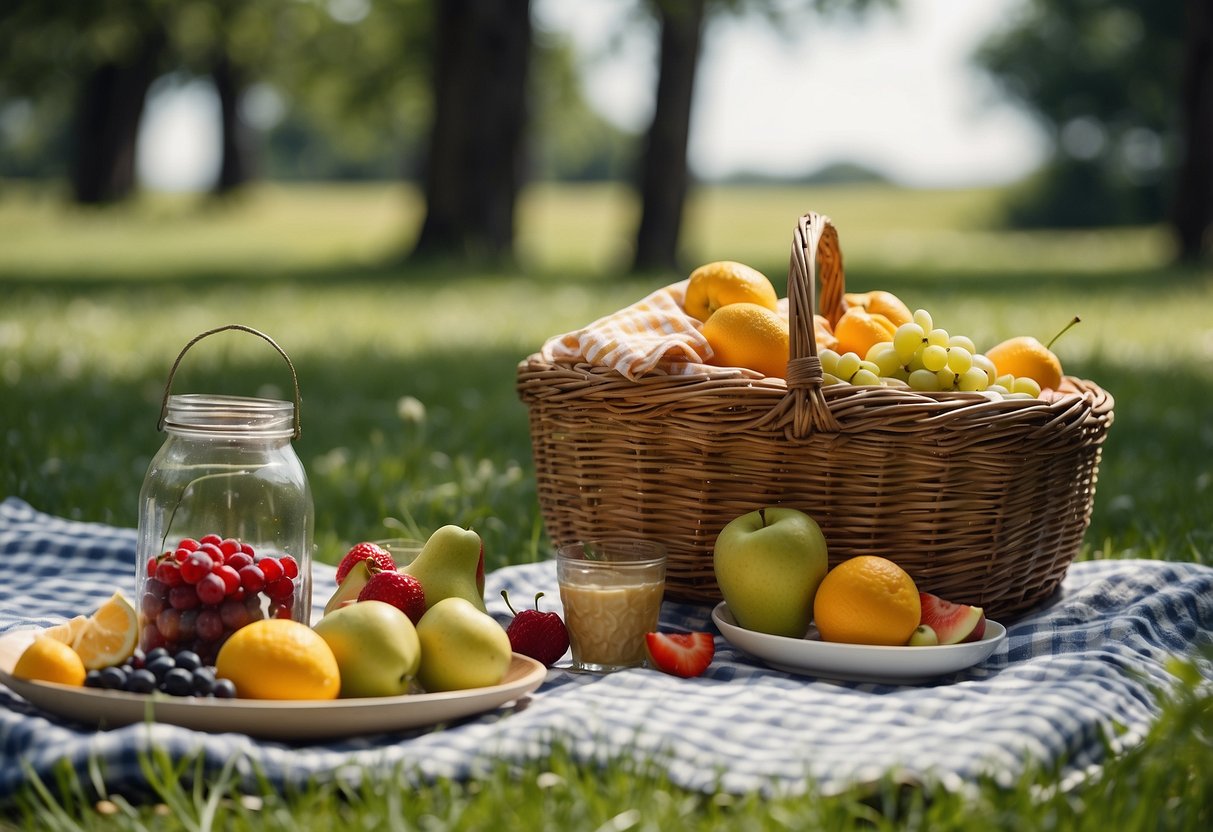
(652,336)
(1072,682)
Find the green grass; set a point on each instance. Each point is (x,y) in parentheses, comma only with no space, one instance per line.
(410,418)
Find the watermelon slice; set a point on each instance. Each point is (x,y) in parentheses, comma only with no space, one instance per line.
(952,623)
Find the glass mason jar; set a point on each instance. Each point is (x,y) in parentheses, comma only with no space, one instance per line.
(225,519)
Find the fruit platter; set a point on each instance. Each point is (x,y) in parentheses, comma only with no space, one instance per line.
(287,720)
(363,667)
(877,664)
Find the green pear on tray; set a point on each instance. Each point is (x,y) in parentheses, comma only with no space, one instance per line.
(447,566)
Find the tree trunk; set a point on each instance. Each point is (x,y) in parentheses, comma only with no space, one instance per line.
(107,118)
(664,177)
(1192,216)
(476,150)
(235,163)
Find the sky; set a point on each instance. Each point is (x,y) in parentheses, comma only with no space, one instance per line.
(897,93)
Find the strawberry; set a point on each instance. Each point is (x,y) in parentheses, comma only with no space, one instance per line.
(398,589)
(681,654)
(364,551)
(540,635)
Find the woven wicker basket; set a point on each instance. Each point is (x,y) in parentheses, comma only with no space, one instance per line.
(982,502)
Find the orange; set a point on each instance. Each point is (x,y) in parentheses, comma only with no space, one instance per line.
(722,283)
(881,303)
(50,660)
(857,330)
(867,600)
(278,658)
(108,636)
(824,334)
(1025,357)
(748,335)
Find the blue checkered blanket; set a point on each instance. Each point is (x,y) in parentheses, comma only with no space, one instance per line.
(1072,682)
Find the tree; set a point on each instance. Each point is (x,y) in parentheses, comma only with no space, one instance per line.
(1126,96)
(98,60)
(1192,214)
(473,169)
(664,178)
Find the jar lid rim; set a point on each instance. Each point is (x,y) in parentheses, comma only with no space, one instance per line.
(218,413)
(227,400)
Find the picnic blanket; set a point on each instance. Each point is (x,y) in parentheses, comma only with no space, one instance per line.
(1072,682)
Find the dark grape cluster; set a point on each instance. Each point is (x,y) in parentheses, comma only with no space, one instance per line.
(183,674)
(201,592)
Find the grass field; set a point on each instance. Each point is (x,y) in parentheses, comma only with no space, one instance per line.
(410,417)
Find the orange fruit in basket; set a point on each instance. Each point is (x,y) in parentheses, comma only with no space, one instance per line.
(50,660)
(109,635)
(881,303)
(719,284)
(1025,357)
(867,600)
(278,658)
(748,335)
(824,333)
(857,330)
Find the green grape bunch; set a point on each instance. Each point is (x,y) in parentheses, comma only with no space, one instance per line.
(925,358)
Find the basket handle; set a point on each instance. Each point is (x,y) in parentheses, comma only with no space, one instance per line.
(815,253)
(298,427)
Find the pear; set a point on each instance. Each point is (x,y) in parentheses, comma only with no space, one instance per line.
(347,591)
(447,566)
(461,647)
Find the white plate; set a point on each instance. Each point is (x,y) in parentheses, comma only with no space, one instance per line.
(269,719)
(811,656)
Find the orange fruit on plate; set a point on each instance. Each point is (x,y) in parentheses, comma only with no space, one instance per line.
(719,284)
(109,635)
(857,330)
(50,660)
(279,658)
(748,335)
(867,600)
(881,303)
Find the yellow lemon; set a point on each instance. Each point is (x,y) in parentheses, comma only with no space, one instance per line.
(857,330)
(879,302)
(748,335)
(108,636)
(867,600)
(50,660)
(68,630)
(719,284)
(278,658)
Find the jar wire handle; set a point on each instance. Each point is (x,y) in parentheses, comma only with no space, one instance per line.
(298,427)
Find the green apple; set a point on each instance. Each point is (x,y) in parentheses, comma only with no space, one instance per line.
(447,566)
(768,566)
(461,647)
(376,646)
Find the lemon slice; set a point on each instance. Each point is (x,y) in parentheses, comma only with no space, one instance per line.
(67,631)
(108,636)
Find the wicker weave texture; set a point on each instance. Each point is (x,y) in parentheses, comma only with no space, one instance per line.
(981,501)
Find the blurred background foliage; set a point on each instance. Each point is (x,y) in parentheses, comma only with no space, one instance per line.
(372,89)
